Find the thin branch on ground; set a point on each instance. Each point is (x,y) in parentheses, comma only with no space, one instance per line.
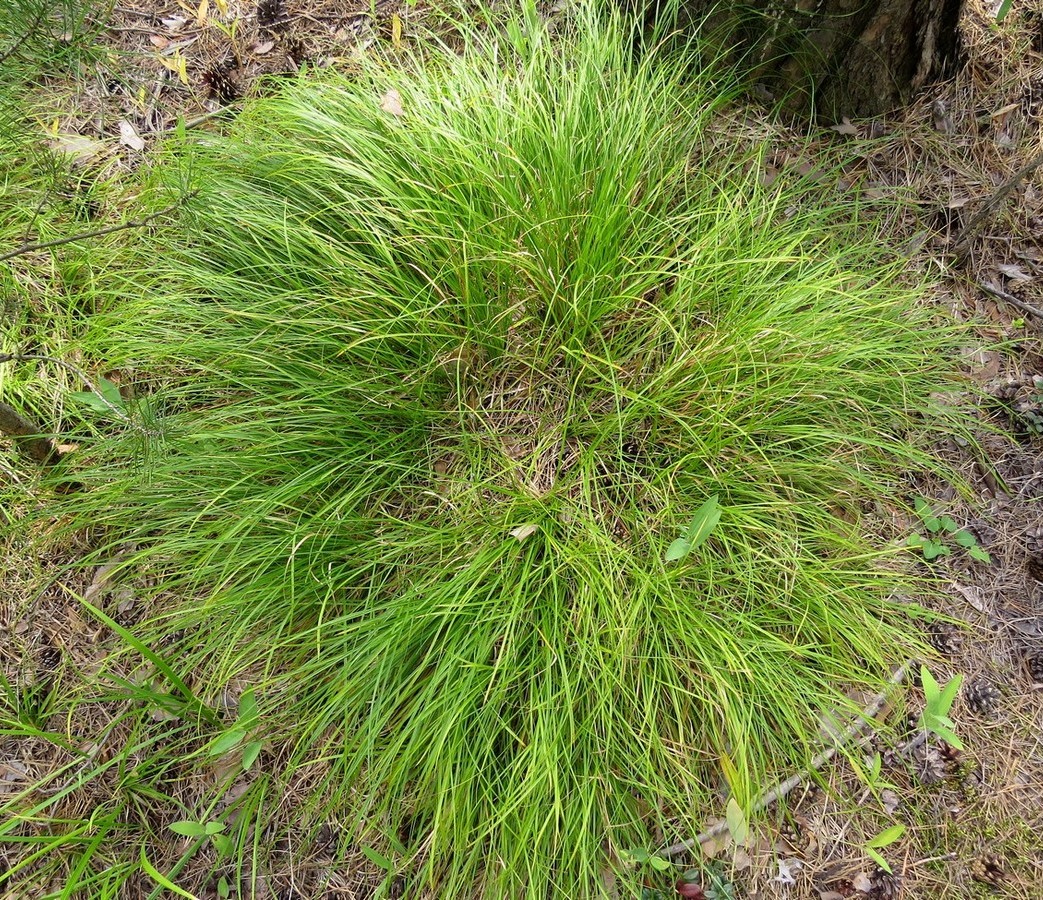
(21,39)
(91,386)
(1012,300)
(780,790)
(98,232)
(978,220)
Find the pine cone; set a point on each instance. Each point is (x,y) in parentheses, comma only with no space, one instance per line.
(988,869)
(950,757)
(945,637)
(1034,664)
(886,886)
(270,13)
(981,697)
(845,887)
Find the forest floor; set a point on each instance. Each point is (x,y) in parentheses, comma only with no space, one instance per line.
(974,818)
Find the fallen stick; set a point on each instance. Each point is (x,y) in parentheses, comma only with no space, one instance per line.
(1012,300)
(98,232)
(963,243)
(783,788)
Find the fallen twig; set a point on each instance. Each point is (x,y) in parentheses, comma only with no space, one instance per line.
(963,243)
(21,39)
(79,373)
(1012,300)
(98,232)
(783,788)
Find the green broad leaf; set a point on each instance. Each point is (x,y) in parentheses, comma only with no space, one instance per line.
(949,524)
(110,397)
(965,539)
(213,828)
(879,860)
(660,864)
(679,549)
(926,514)
(934,549)
(979,554)
(703,523)
(914,540)
(705,520)
(378,859)
(250,753)
(162,879)
(886,837)
(736,819)
(248,711)
(1004,9)
(188,829)
(635,856)
(948,736)
(224,889)
(223,844)
(931,690)
(948,694)
(227,741)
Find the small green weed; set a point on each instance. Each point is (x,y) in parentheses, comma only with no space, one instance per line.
(941,529)
(935,717)
(883,840)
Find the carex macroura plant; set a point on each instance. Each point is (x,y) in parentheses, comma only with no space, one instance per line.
(446,356)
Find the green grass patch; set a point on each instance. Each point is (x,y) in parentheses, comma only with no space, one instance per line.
(446,359)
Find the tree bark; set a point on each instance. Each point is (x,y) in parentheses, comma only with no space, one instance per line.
(835,58)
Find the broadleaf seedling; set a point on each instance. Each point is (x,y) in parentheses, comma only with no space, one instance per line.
(885,839)
(247,719)
(939,530)
(105,399)
(938,703)
(699,529)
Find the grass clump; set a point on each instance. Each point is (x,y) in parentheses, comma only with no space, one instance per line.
(448,357)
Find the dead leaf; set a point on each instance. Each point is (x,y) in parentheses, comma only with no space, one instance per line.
(392,103)
(178,65)
(523,531)
(740,858)
(158,41)
(174,23)
(204,8)
(1014,273)
(862,883)
(129,136)
(845,127)
(972,595)
(81,150)
(714,846)
(396,30)
(889,800)
(261,49)
(787,868)
(942,120)
(830,895)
